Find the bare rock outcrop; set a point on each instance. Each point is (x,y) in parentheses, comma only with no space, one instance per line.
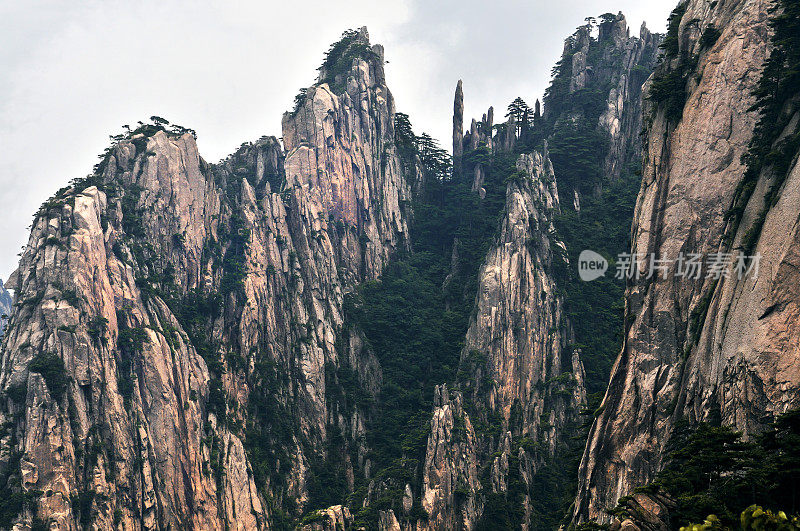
(450,472)
(520,371)
(335,518)
(613,66)
(178,324)
(696,344)
(5,306)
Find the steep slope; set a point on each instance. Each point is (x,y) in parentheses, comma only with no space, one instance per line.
(521,386)
(593,105)
(168,361)
(5,305)
(501,452)
(259,342)
(592,119)
(711,345)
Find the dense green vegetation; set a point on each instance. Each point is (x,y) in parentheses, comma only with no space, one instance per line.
(577,148)
(602,225)
(51,367)
(711,470)
(12,498)
(416,316)
(668,86)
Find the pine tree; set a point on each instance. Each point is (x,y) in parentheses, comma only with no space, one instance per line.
(522,114)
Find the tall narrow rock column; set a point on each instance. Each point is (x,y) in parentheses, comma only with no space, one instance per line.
(458,128)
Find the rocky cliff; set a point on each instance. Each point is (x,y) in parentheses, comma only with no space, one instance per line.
(277,340)
(5,305)
(525,375)
(597,88)
(178,324)
(520,384)
(712,343)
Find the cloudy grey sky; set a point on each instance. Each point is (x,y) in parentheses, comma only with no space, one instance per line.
(71,73)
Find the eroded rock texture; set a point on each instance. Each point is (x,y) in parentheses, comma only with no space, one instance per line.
(603,77)
(196,310)
(524,383)
(695,347)
(5,305)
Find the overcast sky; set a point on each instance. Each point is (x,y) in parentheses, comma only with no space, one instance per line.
(71,73)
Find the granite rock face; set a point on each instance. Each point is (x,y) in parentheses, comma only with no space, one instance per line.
(450,473)
(520,325)
(520,368)
(335,518)
(622,117)
(696,345)
(197,311)
(5,305)
(613,66)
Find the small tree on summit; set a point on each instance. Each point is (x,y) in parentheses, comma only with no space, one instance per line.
(521,112)
(159,120)
(607,18)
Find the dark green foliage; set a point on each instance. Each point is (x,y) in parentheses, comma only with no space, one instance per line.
(500,512)
(668,86)
(345,388)
(577,145)
(17,392)
(556,95)
(299,99)
(668,89)
(12,498)
(435,160)
(271,426)
(670,44)
(706,467)
(326,484)
(70,297)
(603,225)
(405,319)
(415,317)
(404,137)
(711,470)
(781,467)
(97,327)
(131,214)
(521,112)
(216,397)
(234,265)
(195,311)
(51,367)
(709,37)
(339,58)
(130,342)
(552,487)
(85,501)
(504,510)
(776,103)
(574,150)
